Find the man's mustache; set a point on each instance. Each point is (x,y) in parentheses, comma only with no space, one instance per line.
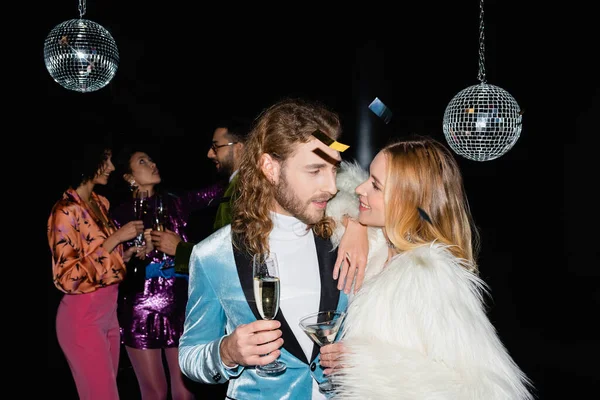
(321,199)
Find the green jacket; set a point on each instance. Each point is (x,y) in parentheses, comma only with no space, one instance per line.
(224,211)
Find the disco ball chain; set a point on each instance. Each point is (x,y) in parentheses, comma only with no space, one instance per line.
(481,75)
(82,8)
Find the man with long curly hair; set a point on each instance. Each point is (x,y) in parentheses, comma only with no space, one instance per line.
(286,178)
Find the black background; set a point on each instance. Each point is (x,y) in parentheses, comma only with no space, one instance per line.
(183,65)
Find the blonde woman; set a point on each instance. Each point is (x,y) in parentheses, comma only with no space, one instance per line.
(417,329)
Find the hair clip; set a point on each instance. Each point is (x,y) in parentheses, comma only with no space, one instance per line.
(334,144)
(424,215)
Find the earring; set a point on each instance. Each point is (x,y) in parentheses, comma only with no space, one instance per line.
(132,185)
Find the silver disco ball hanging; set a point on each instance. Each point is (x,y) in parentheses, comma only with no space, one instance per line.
(81,55)
(482,122)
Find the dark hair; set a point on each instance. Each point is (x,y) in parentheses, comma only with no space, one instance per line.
(122,162)
(88,158)
(238,128)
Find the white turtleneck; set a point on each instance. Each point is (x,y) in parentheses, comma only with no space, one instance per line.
(294,245)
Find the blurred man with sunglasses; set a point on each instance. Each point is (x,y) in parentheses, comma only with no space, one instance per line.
(226,152)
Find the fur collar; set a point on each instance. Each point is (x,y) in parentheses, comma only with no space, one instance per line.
(417,329)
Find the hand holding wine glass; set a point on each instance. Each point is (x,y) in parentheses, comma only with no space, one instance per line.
(248,344)
(322,327)
(265,272)
(331,355)
(127,232)
(165,241)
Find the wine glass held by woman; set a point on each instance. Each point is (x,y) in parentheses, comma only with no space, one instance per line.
(140,209)
(88,263)
(159,223)
(323,327)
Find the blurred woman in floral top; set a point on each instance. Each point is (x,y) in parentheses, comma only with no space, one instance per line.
(88,263)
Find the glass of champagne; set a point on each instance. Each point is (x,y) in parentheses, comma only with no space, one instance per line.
(265,271)
(159,222)
(322,327)
(140,208)
(160,213)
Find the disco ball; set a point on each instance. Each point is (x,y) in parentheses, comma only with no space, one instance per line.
(482,122)
(81,55)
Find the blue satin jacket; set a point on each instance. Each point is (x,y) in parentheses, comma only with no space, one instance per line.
(221,298)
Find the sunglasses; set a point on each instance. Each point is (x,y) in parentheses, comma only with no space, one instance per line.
(216,147)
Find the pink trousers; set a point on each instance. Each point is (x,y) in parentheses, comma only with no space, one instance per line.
(88,334)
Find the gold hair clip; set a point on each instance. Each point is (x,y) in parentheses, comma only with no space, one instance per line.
(334,144)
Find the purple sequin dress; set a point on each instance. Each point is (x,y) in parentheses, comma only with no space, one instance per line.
(153,318)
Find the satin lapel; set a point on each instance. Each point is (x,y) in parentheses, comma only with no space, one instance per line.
(244,267)
(330,294)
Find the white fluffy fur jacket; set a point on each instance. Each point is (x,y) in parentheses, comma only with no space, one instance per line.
(418,329)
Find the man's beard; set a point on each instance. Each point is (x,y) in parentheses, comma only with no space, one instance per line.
(226,166)
(289,201)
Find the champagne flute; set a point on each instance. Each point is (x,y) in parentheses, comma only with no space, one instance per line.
(140,208)
(265,272)
(322,327)
(159,221)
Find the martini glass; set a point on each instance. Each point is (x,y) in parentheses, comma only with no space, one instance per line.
(322,327)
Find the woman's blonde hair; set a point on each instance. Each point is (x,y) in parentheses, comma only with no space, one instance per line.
(425,200)
(277,132)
